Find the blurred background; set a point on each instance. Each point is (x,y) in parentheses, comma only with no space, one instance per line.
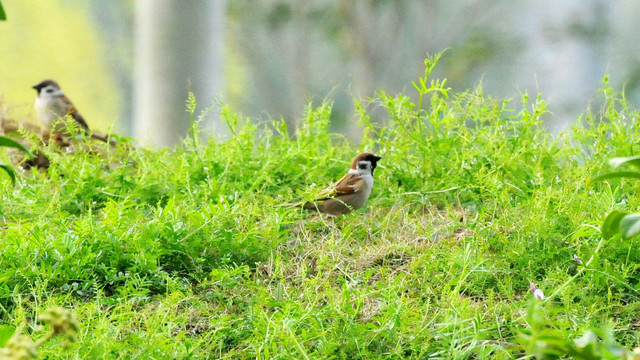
(128,65)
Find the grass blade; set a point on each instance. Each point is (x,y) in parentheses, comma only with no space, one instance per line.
(632,160)
(616,175)
(9,142)
(9,170)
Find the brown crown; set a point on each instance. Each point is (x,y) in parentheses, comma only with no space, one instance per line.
(45,83)
(373,158)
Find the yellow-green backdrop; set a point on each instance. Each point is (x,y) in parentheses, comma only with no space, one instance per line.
(55,39)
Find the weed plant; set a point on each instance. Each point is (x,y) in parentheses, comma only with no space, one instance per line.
(183,253)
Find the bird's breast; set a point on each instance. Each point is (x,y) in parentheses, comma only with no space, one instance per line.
(48,111)
(368,180)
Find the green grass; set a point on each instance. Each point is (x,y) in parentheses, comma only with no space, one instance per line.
(183,254)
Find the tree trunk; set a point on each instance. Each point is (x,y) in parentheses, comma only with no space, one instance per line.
(178,48)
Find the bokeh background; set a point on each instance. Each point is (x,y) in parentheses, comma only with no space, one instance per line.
(268,59)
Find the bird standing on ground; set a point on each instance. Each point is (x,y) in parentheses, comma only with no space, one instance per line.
(52,104)
(349,193)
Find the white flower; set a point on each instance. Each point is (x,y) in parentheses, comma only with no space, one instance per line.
(577,259)
(537,293)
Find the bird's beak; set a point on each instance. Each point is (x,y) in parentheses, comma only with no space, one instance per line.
(35,87)
(378,158)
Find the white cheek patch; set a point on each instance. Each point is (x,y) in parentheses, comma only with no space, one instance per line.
(52,91)
(360,172)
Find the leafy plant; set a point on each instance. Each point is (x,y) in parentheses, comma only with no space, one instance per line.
(3,15)
(8,142)
(19,346)
(544,341)
(621,222)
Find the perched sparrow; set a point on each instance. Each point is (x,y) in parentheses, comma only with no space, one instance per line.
(52,104)
(349,193)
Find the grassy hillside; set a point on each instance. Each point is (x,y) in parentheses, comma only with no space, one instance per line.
(183,254)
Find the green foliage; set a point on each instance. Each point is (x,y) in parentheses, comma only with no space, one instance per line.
(3,15)
(611,224)
(621,222)
(183,253)
(544,341)
(614,163)
(8,142)
(6,332)
(16,346)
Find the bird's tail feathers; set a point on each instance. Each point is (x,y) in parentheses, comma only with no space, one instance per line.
(293,204)
(310,206)
(307,205)
(104,139)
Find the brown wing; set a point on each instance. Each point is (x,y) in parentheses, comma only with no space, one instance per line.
(71,110)
(349,184)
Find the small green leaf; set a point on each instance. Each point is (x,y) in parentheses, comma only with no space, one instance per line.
(6,332)
(611,224)
(630,225)
(9,142)
(632,160)
(3,15)
(615,175)
(10,172)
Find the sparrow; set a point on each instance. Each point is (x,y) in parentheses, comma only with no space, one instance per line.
(350,192)
(52,104)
